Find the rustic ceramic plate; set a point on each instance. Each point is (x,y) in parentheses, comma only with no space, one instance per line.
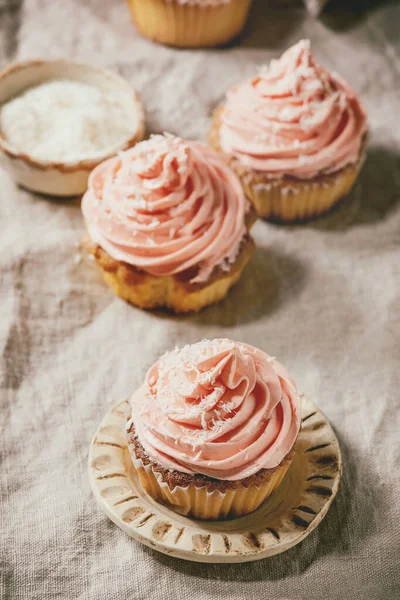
(284,520)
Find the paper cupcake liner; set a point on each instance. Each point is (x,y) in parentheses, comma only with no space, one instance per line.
(189,24)
(198,502)
(295,200)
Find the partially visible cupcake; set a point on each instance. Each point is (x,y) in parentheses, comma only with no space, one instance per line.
(168,223)
(190,23)
(213,428)
(295,135)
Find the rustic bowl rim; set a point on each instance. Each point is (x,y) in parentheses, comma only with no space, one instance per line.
(82,164)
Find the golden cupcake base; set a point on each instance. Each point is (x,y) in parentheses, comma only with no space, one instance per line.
(189,26)
(283,520)
(292,200)
(174,292)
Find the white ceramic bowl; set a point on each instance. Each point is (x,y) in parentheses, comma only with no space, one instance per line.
(62,178)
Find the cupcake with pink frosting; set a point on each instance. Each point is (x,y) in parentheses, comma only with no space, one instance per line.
(213,428)
(190,23)
(168,223)
(295,135)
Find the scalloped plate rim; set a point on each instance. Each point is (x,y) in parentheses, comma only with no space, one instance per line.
(203,527)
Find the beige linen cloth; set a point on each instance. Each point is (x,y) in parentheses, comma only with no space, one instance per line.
(323,298)
(315,7)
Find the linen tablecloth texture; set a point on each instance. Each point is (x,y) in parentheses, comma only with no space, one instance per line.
(323,298)
(315,7)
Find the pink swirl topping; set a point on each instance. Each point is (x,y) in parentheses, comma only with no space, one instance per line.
(295,118)
(166,206)
(219,408)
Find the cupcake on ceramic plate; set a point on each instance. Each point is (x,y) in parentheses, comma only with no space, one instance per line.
(295,135)
(213,428)
(190,23)
(168,223)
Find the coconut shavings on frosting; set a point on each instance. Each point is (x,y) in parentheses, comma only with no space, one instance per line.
(294,118)
(167,206)
(220,408)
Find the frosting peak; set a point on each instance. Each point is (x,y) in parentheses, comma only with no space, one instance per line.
(166,206)
(219,408)
(294,118)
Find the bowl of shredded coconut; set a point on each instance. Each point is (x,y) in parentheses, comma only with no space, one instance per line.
(60,119)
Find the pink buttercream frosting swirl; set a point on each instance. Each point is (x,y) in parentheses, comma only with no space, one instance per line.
(295,118)
(166,206)
(220,408)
